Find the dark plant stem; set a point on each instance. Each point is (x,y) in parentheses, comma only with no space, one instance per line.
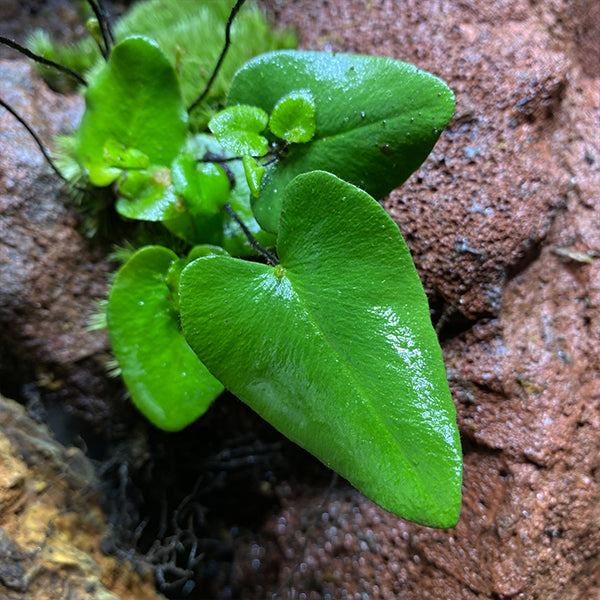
(106,22)
(107,35)
(40,59)
(213,76)
(42,148)
(35,136)
(216,158)
(270,257)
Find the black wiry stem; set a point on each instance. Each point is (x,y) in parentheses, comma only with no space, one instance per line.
(40,59)
(35,136)
(106,22)
(40,145)
(105,30)
(270,257)
(213,76)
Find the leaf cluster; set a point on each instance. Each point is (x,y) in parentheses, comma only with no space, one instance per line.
(330,338)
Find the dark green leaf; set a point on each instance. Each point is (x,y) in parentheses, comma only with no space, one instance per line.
(376,119)
(335,348)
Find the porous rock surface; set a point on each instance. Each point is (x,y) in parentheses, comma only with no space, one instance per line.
(50,274)
(504,224)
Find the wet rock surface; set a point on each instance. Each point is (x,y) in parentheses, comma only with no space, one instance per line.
(51,274)
(504,224)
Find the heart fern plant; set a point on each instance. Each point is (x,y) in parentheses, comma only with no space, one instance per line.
(325,331)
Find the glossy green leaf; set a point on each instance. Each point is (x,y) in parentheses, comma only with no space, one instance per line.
(293,118)
(254,174)
(148,195)
(238,130)
(335,348)
(376,119)
(203,186)
(167,382)
(172,280)
(135,101)
(205,250)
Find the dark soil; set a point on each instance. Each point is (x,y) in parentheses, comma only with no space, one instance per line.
(504,224)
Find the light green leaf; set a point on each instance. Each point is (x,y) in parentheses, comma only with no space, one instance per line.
(148,195)
(167,382)
(204,187)
(335,348)
(254,174)
(376,119)
(293,118)
(134,101)
(237,129)
(116,155)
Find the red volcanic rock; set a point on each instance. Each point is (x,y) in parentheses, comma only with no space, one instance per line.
(504,224)
(503,221)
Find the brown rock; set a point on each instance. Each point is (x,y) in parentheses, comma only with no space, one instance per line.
(50,523)
(504,224)
(50,273)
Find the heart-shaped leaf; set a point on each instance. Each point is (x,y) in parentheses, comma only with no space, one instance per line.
(167,382)
(293,118)
(133,101)
(237,128)
(335,348)
(376,119)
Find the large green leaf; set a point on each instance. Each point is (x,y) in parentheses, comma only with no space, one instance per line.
(133,102)
(376,119)
(167,382)
(335,347)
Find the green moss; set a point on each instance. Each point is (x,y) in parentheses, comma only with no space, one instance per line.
(190,32)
